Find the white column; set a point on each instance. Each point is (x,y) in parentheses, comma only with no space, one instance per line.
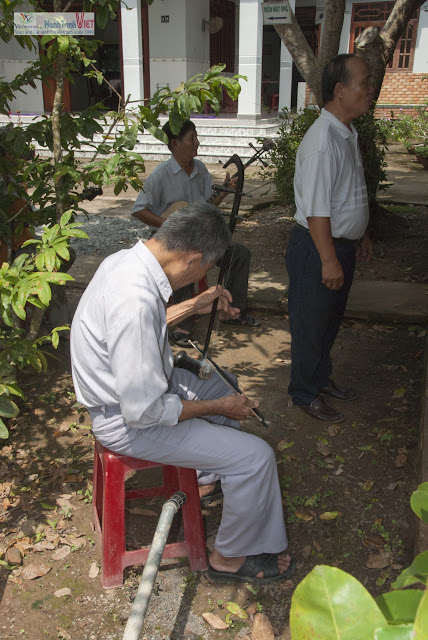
(132,50)
(250,58)
(286,72)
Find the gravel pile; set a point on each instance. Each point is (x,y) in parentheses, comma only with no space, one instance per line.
(107,235)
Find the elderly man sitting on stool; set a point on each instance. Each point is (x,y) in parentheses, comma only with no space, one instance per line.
(141,406)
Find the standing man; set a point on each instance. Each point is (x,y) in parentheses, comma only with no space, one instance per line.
(141,406)
(331,220)
(183,179)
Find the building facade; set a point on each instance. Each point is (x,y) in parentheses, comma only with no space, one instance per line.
(148,48)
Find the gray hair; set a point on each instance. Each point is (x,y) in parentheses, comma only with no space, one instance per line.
(196,227)
(335,71)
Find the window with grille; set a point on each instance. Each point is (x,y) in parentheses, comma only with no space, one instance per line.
(375,14)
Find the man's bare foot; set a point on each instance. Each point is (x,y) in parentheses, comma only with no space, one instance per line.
(232,565)
(206,489)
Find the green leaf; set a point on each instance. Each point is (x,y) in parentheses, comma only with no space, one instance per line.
(5,565)
(63,44)
(8,409)
(419,501)
(421,620)
(4,433)
(65,218)
(330,604)
(417,572)
(45,505)
(50,256)
(236,610)
(395,632)
(399,606)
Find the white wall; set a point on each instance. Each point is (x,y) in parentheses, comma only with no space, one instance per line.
(179,49)
(14,59)
(420,62)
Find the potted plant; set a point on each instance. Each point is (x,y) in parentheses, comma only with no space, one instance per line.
(422,155)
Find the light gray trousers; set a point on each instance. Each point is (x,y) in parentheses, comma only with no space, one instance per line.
(252,520)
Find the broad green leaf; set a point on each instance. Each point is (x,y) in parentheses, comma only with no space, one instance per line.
(8,409)
(63,44)
(65,218)
(50,256)
(395,632)
(236,610)
(4,433)
(330,604)
(399,606)
(421,620)
(419,501)
(417,572)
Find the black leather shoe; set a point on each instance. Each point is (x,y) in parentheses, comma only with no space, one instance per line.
(322,411)
(340,393)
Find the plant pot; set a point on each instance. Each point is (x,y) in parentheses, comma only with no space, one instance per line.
(423,160)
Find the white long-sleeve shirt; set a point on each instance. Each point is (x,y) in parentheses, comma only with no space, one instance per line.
(119,341)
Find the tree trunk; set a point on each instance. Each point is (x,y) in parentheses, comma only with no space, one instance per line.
(308,65)
(376,47)
(59,75)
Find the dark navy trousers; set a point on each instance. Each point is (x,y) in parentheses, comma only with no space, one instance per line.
(315,313)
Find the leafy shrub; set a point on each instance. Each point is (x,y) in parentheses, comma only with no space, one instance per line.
(292,128)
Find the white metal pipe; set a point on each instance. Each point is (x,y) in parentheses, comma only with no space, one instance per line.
(151,568)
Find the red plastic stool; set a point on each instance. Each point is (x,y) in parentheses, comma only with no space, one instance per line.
(108,512)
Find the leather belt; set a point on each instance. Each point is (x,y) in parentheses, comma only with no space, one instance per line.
(347,240)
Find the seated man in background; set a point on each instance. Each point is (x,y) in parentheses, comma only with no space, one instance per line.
(182,179)
(141,406)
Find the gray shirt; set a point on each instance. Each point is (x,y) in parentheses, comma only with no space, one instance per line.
(119,341)
(169,183)
(329,178)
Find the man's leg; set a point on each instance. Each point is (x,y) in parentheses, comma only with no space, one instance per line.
(252,520)
(237,274)
(311,310)
(345,252)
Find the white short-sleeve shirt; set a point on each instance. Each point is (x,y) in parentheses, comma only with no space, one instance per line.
(329,178)
(169,183)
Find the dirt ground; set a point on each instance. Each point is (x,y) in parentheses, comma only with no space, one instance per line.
(361,472)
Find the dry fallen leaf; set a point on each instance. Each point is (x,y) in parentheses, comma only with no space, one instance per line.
(94,570)
(317,546)
(332,430)
(379,560)
(330,515)
(304,514)
(44,546)
(283,444)
(63,634)
(61,553)
(214,621)
(62,592)
(374,540)
(262,628)
(400,460)
(325,451)
(307,550)
(35,570)
(368,484)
